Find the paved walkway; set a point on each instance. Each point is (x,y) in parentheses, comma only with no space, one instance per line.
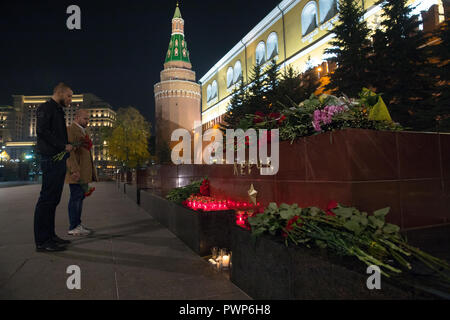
(7,184)
(131,256)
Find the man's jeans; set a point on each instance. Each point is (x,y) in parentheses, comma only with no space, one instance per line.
(53,175)
(75,205)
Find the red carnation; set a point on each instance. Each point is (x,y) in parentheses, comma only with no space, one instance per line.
(291,224)
(87,143)
(331,205)
(259,117)
(283,117)
(204,188)
(274,115)
(89,192)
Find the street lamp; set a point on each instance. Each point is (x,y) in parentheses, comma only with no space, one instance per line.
(319,70)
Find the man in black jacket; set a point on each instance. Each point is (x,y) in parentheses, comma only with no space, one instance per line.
(51,140)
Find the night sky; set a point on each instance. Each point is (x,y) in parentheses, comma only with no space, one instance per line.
(120,49)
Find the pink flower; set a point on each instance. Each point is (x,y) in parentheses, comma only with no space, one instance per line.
(325,116)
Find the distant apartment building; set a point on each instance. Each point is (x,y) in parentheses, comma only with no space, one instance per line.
(7,119)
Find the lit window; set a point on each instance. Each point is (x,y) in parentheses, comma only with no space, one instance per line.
(230,77)
(237,72)
(208,92)
(272,45)
(214,89)
(260,53)
(309,18)
(328,9)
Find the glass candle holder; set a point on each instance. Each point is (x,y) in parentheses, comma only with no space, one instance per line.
(226,262)
(214,252)
(219,265)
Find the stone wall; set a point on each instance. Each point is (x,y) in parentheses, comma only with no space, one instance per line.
(407,171)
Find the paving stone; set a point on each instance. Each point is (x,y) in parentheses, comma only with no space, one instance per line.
(129,256)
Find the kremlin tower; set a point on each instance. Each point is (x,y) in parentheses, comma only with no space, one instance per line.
(177,95)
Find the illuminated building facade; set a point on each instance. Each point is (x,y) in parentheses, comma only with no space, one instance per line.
(177,95)
(292,33)
(23,132)
(7,123)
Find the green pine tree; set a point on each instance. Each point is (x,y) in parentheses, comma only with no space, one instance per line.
(236,109)
(309,82)
(272,85)
(440,53)
(271,80)
(257,83)
(296,87)
(350,50)
(248,100)
(402,72)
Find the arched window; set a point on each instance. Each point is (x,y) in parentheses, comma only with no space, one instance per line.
(230,75)
(309,18)
(214,90)
(260,53)
(328,9)
(272,45)
(237,72)
(208,93)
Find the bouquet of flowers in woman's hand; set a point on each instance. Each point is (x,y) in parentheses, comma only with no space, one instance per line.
(87,190)
(85,186)
(86,142)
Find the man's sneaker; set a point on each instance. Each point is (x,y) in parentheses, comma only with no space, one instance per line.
(85,228)
(79,231)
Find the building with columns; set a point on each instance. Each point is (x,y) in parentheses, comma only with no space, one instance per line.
(177,95)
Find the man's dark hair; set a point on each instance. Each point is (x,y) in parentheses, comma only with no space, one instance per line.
(60,87)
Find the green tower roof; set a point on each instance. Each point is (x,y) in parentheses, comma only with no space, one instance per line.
(177,13)
(177,46)
(177,49)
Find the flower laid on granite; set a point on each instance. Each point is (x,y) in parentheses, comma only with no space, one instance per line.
(331,205)
(204,188)
(178,195)
(325,116)
(323,113)
(348,232)
(259,117)
(295,221)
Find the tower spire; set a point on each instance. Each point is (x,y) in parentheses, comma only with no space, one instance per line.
(177,13)
(177,95)
(178,53)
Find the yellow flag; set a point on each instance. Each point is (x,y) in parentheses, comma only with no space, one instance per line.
(379,111)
